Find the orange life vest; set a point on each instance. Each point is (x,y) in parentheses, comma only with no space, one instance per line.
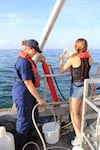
(84,54)
(34,69)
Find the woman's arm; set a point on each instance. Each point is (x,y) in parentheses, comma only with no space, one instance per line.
(66,66)
(90,61)
(30,86)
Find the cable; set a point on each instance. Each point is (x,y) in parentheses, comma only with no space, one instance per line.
(36,127)
(57,84)
(31,142)
(98,88)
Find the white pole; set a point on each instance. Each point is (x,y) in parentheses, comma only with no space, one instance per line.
(50,23)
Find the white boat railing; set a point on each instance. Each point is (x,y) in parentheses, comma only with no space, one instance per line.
(63,110)
(65,103)
(61,106)
(45,76)
(92,135)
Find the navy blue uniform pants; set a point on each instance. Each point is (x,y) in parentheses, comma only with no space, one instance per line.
(24,125)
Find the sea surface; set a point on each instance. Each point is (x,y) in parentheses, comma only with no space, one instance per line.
(7,62)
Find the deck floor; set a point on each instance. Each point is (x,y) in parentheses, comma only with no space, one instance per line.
(9,121)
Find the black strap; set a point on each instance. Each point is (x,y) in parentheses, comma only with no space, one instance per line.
(19,80)
(78,85)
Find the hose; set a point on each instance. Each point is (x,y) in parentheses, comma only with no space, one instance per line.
(36,127)
(40,135)
(31,142)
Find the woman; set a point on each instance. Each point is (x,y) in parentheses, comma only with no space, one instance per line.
(79,65)
(24,91)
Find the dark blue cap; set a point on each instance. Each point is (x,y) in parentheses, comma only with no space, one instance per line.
(33,44)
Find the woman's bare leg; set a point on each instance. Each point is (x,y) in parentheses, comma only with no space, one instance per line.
(74,106)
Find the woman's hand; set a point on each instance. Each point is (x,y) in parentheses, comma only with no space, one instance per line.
(61,57)
(41,101)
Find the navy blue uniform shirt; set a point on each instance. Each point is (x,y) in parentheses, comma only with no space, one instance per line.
(20,93)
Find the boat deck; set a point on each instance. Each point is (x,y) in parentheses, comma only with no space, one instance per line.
(8,119)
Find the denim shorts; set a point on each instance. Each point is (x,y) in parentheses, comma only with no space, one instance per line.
(76,92)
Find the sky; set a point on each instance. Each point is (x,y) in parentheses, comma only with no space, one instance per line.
(26,19)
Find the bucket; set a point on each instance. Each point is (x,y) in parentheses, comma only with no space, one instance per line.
(6,140)
(51,132)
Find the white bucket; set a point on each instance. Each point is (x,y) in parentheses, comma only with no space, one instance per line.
(6,140)
(51,132)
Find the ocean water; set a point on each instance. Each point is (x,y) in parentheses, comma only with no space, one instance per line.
(7,62)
